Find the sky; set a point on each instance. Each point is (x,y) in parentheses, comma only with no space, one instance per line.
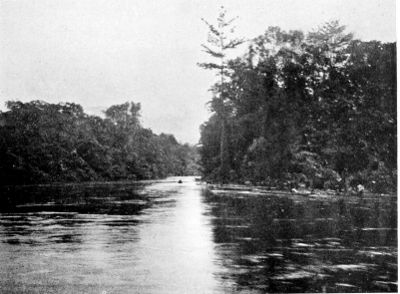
(99,53)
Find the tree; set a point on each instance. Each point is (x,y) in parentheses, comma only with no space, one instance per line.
(318,109)
(42,142)
(220,40)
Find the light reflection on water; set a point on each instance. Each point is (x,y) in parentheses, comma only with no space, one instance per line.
(165,237)
(165,248)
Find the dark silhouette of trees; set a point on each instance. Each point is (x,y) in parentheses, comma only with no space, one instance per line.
(316,109)
(42,143)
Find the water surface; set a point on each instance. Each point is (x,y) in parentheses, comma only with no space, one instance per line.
(165,237)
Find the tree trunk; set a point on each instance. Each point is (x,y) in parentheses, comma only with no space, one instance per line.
(224,154)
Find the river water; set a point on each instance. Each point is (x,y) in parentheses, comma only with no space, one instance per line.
(166,237)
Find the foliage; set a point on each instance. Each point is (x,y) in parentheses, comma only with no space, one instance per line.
(317,108)
(42,142)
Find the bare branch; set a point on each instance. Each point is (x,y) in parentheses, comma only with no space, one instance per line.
(213,52)
(209,65)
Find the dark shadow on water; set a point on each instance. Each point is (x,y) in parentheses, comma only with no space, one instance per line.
(279,244)
(113,198)
(57,214)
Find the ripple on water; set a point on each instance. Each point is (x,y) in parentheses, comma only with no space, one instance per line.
(257,242)
(301,274)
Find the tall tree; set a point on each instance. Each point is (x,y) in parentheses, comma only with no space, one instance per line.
(220,41)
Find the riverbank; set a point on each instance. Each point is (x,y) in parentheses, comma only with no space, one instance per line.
(316,193)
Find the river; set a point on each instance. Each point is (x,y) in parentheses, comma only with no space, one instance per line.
(170,237)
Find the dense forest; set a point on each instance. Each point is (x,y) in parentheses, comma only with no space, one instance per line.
(315,110)
(42,143)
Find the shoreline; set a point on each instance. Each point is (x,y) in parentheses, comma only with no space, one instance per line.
(316,193)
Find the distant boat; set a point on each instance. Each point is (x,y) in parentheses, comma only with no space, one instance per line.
(180,182)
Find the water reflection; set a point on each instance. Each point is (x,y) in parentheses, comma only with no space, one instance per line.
(162,246)
(165,237)
(298,244)
(177,248)
(101,198)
